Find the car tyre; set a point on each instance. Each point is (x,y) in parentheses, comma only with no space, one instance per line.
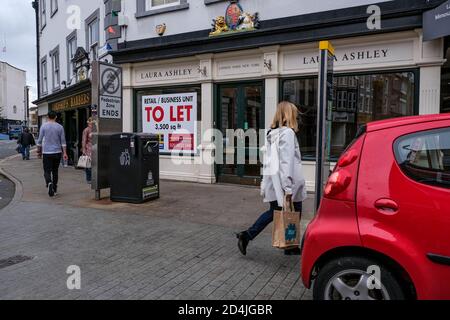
(347,278)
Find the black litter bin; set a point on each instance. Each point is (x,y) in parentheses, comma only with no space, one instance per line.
(134,167)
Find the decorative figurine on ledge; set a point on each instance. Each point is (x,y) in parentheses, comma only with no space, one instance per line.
(248,22)
(219,26)
(235,20)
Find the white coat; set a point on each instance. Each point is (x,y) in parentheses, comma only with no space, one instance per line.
(282,170)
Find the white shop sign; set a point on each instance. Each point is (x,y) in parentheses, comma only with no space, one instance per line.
(240,67)
(352,56)
(110,107)
(167,73)
(174,118)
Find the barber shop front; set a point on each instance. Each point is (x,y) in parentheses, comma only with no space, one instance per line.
(73,108)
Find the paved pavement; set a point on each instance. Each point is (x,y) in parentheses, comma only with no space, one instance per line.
(179,247)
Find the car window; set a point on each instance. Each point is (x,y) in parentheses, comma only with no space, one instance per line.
(425,156)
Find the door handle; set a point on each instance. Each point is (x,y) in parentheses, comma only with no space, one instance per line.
(386,206)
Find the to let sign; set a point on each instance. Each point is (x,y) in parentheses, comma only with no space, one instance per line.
(174,118)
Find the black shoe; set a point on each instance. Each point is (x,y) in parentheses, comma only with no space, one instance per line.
(51,191)
(292,252)
(243,242)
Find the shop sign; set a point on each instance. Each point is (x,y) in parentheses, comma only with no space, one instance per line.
(177,72)
(355,55)
(79,100)
(436,23)
(174,118)
(240,67)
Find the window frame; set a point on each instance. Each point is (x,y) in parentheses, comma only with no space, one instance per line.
(142,10)
(415,71)
(44,76)
(397,156)
(95,16)
(43,13)
(71,37)
(53,10)
(56,69)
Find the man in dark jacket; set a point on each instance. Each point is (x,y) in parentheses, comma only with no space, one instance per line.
(26,140)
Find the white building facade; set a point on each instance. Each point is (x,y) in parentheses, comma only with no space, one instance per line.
(12,95)
(165,48)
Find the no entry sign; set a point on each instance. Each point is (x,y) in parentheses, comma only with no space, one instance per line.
(174,118)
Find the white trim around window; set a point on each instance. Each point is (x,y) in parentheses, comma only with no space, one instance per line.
(147,8)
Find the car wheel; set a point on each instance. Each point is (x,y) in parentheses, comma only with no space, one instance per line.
(352,278)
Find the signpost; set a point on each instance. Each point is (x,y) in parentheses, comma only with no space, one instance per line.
(324,118)
(107,110)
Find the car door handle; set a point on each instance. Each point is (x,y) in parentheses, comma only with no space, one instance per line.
(386,206)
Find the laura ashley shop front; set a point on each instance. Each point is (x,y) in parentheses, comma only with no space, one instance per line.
(380,74)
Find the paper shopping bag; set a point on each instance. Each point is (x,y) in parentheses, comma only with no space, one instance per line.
(286,228)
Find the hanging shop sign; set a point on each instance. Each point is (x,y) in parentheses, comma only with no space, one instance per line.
(73,102)
(235,20)
(174,118)
(436,23)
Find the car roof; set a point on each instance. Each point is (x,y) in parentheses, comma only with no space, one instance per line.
(397,122)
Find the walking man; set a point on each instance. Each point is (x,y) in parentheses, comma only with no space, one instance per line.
(26,140)
(52,146)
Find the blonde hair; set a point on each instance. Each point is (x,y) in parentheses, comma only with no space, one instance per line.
(90,120)
(286,116)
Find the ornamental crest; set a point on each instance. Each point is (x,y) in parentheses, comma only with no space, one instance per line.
(235,20)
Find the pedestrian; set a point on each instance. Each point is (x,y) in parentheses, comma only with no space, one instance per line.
(283,178)
(26,141)
(86,147)
(52,147)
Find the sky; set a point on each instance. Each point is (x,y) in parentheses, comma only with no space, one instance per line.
(17,32)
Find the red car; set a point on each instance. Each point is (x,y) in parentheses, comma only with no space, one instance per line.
(382,231)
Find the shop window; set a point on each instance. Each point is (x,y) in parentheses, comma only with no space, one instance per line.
(425,157)
(358,99)
(147,8)
(445,80)
(139,107)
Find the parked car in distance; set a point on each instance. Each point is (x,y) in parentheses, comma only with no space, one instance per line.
(382,231)
(14,131)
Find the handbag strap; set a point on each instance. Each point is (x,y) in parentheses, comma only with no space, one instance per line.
(288,205)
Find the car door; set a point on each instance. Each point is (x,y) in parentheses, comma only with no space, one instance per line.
(404,208)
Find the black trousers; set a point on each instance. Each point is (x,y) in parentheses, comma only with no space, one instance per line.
(51,166)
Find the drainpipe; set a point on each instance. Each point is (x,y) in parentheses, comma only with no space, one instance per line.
(35,5)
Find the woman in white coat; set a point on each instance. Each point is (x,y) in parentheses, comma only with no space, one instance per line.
(283,178)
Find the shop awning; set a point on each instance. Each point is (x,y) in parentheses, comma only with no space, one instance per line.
(436,22)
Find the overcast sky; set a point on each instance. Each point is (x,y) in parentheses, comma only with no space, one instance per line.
(17,29)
